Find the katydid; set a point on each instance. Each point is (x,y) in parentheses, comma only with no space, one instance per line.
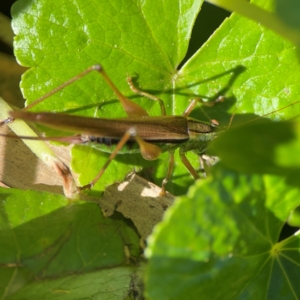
(153,135)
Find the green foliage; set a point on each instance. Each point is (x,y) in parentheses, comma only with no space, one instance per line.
(150,46)
(44,236)
(289,12)
(221,241)
(214,237)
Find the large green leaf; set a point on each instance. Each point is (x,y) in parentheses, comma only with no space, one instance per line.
(218,244)
(127,38)
(242,61)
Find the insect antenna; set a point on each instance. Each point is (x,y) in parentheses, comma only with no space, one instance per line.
(260,117)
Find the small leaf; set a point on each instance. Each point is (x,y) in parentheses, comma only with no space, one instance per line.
(294,218)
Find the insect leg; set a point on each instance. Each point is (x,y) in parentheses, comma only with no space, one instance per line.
(132,109)
(52,92)
(170,171)
(202,167)
(188,164)
(149,151)
(192,105)
(147,95)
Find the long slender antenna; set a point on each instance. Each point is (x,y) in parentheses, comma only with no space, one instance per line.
(265,115)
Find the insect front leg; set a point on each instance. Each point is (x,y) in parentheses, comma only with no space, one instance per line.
(203,160)
(194,102)
(147,95)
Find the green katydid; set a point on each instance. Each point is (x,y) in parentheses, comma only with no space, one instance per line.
(153,135)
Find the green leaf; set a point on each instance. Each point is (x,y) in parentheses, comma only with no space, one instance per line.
(149,42)
(132,41)
(104,284)
(214,237)
(289,12)
(264,147)
(44,236)
(226,231)
(294,218)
